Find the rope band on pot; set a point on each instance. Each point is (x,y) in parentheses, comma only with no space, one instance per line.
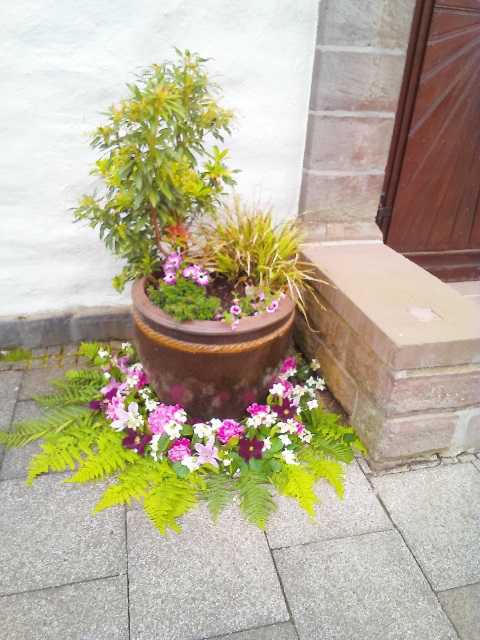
(181,345)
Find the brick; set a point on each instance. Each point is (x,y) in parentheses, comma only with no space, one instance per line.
(356,81)
(436,390)
(406,437)
(357,143)
(365,23)
(340,198)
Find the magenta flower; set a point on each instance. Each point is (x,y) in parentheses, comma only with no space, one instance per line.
(235,309)
(191,271)
(179,450)
(288,366)
(136,441)
(169,277)
(207,453)
(254,409)
(250,448)
(115,403)
(228,430)
(113,388)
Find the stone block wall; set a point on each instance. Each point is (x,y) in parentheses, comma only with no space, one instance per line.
(359,63)
(399,349)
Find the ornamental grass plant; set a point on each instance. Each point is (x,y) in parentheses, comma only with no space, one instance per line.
(105,422)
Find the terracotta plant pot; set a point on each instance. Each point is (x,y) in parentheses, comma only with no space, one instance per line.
(204,366)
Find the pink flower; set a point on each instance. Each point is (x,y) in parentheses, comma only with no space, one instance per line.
(235,309)
(164,415)
(111,410)
(170,277)
(229,429)
(207,452)
(191,271)
(272,307)
(180,449)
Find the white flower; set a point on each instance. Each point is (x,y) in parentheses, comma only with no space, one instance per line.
(267,444)
(321,384)
(289,456)
(285,440)
(154,446)
(312,404)
(305,436)
(203,430)
(216,424)
(173,430)
(278,390)
(227,462)
(106,375)
(190,462)
(311,382)
(271,419)
(150,405)
(103,354)
(126,345)
(315,364)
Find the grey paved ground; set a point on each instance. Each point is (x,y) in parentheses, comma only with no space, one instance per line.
(398,558)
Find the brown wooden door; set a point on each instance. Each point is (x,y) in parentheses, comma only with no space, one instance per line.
(431,193)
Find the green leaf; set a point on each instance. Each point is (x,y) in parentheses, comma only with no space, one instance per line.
(180,469)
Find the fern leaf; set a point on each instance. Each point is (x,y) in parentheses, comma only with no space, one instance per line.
(89,349)
(332,449)
(256,501)
(110,456)
(56,456)
(68,396)
(218,493)
(296,482)
(168,500)
(319,467)
(51,423)
(131,484)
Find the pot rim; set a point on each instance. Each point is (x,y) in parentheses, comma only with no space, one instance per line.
(216,328)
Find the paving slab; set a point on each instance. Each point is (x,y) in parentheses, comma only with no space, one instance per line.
(285,631)
(365,586)
(359,512)
(50,538)
(39,381)
(10,382)
(462,606)
(208,581)
(436,510)
(88,611)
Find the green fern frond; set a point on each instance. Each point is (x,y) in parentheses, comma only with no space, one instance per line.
(51,423)
(68,396)
(337,450)
(296,482)
(319,467)
(168,500)
(133,483)
(256,501)
(89,349)
(57,455)
(218,493)
(110,456)
(80,378)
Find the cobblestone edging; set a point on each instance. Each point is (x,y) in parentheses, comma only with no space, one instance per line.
(64,356)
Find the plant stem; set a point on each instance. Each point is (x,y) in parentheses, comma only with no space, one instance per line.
(158,241)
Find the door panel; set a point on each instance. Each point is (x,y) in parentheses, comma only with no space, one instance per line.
(435,217)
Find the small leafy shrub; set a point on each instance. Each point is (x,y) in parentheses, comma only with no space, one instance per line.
(185,300)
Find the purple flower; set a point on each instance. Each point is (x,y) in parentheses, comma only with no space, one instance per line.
(288,366)
(250,448)
(272,307)
(169,277)
(202,278)
(254,409)
(191,271)
(207,452)
(136,441)
(130,418)
(285,410)
(172,262)
(235,309)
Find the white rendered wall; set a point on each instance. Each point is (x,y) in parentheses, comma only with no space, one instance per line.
(61,63)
